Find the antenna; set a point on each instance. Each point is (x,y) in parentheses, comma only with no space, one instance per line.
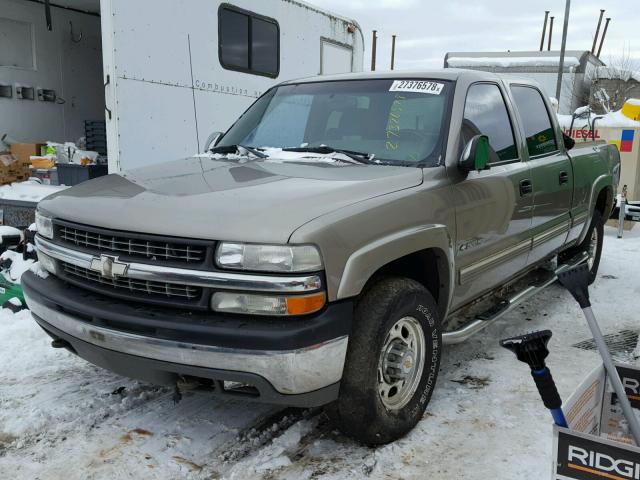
(550,33)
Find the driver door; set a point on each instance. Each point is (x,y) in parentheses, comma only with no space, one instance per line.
(494,207)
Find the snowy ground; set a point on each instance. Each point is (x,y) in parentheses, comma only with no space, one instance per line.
(61,418)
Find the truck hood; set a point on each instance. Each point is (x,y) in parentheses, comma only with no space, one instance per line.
(221,199)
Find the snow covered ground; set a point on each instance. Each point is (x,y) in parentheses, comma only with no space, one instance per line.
(61,418)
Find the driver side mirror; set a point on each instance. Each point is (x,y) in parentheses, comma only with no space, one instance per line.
(212,140)
(475,155)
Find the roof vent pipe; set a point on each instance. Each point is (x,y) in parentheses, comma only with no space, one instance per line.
(544,29)
(604,34)
(595,39)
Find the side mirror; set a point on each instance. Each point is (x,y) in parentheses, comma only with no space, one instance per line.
(569,142)
(212,140)
(475,155)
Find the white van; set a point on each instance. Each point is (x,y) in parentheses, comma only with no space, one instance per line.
(163,74)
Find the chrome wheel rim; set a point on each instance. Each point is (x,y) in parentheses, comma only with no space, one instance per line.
(401,363)
(592,248)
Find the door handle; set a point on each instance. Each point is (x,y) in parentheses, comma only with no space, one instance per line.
(526,187)
(563,178)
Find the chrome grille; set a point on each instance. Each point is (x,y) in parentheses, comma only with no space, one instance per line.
(136,247)
(157,289)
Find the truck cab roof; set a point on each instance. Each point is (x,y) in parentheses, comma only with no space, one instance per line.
(452,74)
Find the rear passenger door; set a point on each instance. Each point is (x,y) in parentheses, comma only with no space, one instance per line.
(551,173)
(493,207)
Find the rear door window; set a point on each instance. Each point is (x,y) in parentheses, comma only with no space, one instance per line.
(541,138)
(485,113)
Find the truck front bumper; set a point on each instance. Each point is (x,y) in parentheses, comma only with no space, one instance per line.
(292,361)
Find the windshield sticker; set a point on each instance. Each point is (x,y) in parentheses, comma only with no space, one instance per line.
(417,86)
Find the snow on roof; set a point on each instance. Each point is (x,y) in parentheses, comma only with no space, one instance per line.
(28,191)
(506,62)
(617,73)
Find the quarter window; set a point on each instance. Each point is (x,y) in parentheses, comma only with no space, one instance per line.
(248,42)
(485,113)
(541,138)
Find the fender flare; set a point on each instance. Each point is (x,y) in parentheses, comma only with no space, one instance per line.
(603,182)
(364,262)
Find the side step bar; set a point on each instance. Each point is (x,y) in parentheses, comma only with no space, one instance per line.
(494,313)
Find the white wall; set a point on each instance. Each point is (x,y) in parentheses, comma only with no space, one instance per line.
(73,70)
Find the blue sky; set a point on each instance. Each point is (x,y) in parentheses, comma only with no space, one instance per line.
(428,29)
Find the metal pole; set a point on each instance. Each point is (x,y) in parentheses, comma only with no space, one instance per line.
(604,34)
(595,39)
(374,46)
(393,51)
(544,29)
(550,33)
(612,373)
(563,49)
(623,211)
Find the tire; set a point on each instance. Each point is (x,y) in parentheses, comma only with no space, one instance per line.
(360,412)
(592,244)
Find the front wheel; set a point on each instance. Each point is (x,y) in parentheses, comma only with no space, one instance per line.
(392,362)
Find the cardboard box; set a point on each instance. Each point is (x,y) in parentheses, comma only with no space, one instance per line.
(597,444)
(24,151)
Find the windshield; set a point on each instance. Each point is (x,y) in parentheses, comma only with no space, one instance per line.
(394,121)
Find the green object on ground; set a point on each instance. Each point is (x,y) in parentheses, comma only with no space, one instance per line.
(9,290)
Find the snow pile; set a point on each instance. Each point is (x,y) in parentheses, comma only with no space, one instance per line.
(29,191)
(585,119)
(509,62)
(18,265)
(615,73)
(62,418)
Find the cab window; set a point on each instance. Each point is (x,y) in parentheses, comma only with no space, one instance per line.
(485,113)
(541,138)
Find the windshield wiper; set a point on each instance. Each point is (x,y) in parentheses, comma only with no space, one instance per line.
(230,149)
(359,157)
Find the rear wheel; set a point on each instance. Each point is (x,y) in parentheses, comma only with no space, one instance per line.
(392,362)
(592,245)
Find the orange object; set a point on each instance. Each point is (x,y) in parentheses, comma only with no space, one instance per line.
(301,305)
(24,151)
(42,162)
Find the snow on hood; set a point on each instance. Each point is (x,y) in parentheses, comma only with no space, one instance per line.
(278,155)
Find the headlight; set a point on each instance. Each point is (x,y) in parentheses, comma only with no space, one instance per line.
(251,304)
(268,258)
(44,225)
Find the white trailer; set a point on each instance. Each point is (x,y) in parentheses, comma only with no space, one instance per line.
(173,71)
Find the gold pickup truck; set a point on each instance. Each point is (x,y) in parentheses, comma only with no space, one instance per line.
(317,251)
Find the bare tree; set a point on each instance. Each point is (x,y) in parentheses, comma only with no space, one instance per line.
(623,73)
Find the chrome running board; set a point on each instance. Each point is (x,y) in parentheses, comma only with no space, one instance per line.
(485,319)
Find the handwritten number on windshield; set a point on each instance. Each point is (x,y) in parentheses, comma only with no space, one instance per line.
(393,124)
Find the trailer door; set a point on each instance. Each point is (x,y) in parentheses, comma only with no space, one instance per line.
(335,57)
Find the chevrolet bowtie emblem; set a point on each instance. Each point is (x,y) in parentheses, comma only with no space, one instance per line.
(109,266)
